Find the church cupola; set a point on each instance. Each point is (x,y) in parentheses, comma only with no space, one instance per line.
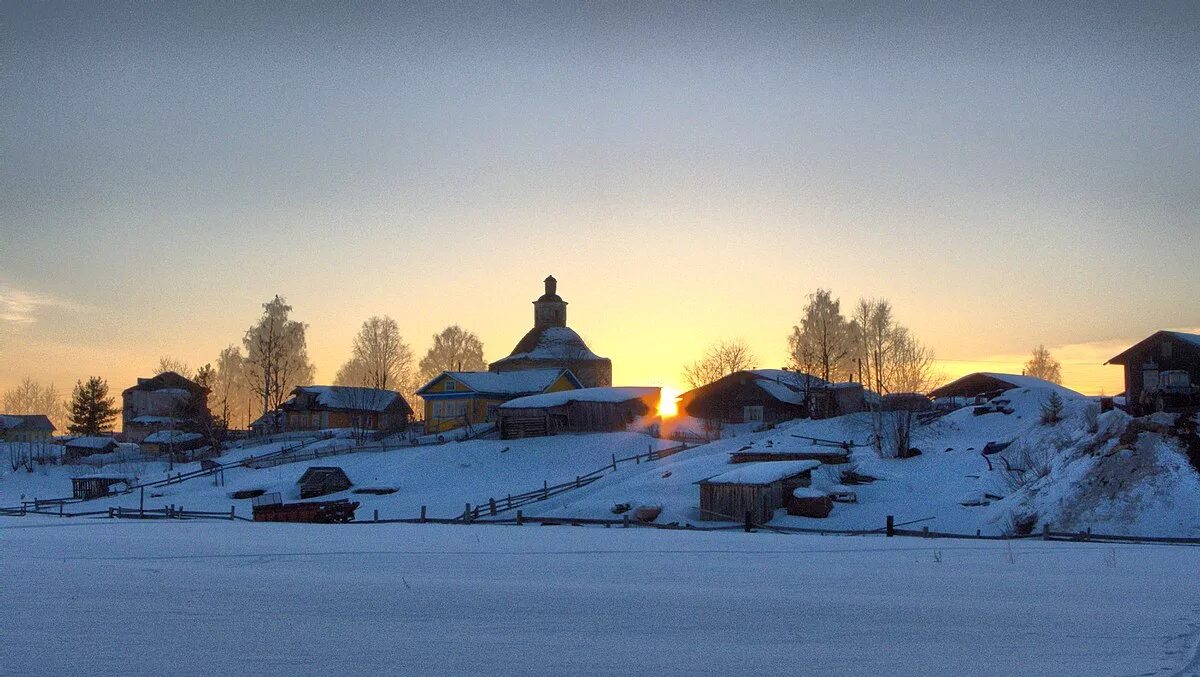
(550,310)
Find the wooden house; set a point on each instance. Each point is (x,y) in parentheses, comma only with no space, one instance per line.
(172,442)
(755,488)
(836,399)
(758,396)
(576,411)
(322,480)
(29,428)
(96,485)
(455,399)
(1160,352)
(79,447)
(321,407)
(164,402)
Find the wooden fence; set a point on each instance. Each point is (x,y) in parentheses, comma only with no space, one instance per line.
(495,506)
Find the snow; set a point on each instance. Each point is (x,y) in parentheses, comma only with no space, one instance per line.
(618,394)
(762,473)
(785,386)
(352,398)
(1193,339)
(526,382)
(233,598)
(90,442)
(155,420)
(556,343)
(808,492)
(1020,381)
(171,437)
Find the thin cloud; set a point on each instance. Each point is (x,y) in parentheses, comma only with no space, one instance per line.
(18,306)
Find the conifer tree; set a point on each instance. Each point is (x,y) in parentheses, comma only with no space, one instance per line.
(92,411)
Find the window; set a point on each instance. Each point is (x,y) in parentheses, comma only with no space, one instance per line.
(752,414)
(451,386)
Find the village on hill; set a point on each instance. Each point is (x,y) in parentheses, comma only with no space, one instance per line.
(854,435)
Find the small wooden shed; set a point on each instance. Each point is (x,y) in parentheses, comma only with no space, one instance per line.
(756,488)
(95,485)
(322,480)
(89,446)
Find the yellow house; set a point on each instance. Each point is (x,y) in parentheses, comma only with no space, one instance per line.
(454,399)
(25,428)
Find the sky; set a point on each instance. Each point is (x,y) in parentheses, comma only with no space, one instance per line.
(1005,174)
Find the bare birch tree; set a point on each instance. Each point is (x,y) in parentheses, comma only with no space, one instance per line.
(167,363)
(453,349)
(719,360)
(821,344)
(276,355)
(1043,365)
(30,397)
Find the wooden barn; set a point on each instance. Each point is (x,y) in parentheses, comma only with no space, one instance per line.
(321,407)
(756,396)
(1162,351)
(96,485)
(322,480)
(88,446)
(756,488)
(836,399)
(455,399)
(172,441)
(576,411)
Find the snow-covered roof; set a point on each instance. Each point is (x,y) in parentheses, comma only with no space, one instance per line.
(171,437)
(807,492)
(527,382)
(350,397)
(551,343)
(91,442)
(155,420)
(26,422)
(1012,380)
(763,473)
(786,386)
(1193,339)
(618,394)
(102,476)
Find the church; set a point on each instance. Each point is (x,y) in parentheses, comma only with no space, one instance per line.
(551,344)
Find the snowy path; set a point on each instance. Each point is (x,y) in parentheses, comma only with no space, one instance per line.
(298,599)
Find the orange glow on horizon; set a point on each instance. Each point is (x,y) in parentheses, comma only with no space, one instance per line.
(667,406)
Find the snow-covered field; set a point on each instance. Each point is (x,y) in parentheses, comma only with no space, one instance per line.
(226,597)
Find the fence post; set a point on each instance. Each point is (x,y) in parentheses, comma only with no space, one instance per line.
(891,526)
(748,523)
(422,514)
(508,502)
(614,456)
(110,512)
(142,503)
(625,521)
(520,518)
(1045,531)
(924,532)
(376,514)
(492,506)
(577,481)
(232,512)
(545,489)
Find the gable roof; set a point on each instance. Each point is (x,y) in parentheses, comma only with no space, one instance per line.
(91,442)
(1128,353)
(790,387)
(604,394)
(985,382)
(32,422)
(171,437)
(762,473)
(507,384)
(348,398)
(167,380)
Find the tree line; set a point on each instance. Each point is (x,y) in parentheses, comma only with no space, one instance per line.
(255,377)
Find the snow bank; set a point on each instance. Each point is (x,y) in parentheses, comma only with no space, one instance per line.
(763,473)
(618,394)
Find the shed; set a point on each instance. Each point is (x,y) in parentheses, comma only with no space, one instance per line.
(808,502)
(825,454)
(322,480)
(585,410)
(1147,359)
(173,441)
(756,488)
(96,485)
(89,446)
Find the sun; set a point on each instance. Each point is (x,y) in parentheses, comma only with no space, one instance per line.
(667,406)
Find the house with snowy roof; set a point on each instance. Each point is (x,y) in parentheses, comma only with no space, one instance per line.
(25,428)
(454,399)
(576,411)
(985,385)
(551,344)
(1146,361)
(321,407)
(79,447)
(754,396)
(162,402)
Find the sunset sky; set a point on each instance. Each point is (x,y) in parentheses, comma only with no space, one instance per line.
(1006,175)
